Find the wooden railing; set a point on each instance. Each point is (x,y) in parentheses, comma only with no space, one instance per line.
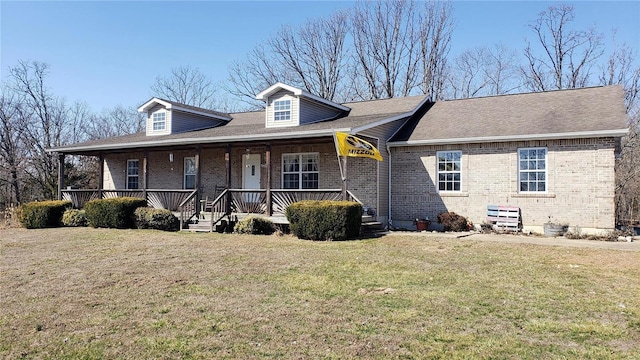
(219,208)
(281,199)
(156,198)
(188,208)
(80,197)
(228,202)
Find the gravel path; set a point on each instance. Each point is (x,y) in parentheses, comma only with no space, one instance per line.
(634,245)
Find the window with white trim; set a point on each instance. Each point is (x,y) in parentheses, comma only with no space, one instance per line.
(532,170)
(300,171)
(189,173)
(282,110)
(159,121)
(449,170)
(133,174)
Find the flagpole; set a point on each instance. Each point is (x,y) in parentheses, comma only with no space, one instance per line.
(344,180)
(343,170)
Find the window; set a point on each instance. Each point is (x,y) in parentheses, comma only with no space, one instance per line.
(189,173)
(449,170)
(300,171)
(159,121)
(282,110)
(133,172)
(532,169)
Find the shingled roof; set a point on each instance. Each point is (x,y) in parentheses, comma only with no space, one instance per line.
(586,112)
(250,126)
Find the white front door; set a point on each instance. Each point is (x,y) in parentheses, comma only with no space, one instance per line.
(251,171)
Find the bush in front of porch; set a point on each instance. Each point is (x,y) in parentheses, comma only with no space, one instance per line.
(114,212)
(325,220)
(42,214)
(156,219)
(255,225)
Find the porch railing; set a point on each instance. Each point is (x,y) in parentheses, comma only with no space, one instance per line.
(156,198)
(228,202)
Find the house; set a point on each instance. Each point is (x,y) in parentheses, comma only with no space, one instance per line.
(551,154)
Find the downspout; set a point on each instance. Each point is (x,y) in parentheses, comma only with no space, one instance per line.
(389,220)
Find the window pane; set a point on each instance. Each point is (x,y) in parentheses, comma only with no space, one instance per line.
(541,165)
(310,181)
(190,182)
(190,166)
(290,181)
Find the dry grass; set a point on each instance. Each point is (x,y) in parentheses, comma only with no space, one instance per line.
(134,294)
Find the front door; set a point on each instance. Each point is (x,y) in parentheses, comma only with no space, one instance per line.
(251,171)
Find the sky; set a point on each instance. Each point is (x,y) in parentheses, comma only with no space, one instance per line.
(109,53)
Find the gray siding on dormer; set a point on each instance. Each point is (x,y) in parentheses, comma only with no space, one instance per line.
(149,126)
(311,111)
(181,121)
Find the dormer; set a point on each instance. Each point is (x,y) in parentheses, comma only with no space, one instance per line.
(290,106)
(166,117)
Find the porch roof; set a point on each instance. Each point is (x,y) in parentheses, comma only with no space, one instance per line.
(250,126)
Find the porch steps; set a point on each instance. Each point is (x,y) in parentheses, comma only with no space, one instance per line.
(369,225)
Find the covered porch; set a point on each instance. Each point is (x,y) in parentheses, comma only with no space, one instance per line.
(219,181)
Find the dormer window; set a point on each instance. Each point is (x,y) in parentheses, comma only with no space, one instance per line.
(282,110)
(159,121)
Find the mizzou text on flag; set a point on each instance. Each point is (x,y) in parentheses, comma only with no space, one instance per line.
(349,145)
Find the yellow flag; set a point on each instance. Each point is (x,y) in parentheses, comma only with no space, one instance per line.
(349,145)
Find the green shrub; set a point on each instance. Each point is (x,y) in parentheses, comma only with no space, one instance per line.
(454,222)
(114,212)
(157,219)
(42,214)
(325,220)
(74,217)
(255,225)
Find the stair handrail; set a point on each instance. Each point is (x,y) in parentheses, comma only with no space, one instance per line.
(219,202)
(184,208)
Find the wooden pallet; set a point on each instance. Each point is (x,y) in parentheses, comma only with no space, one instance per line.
(504,217)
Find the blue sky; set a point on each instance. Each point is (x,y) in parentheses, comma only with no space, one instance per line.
(109,53)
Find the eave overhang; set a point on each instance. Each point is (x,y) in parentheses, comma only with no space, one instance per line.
(171,106)
(264,94)
(506,138)
(198,141)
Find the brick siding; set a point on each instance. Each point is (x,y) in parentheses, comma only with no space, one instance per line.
(580,183)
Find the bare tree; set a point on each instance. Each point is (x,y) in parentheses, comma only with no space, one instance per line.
(468,78)
(46,124)
(119,120)
(257,72)
(12,152)
(314,52)
(436,27)
(385,35)
(566,55)
(621,69)
(186,85)
(483,71)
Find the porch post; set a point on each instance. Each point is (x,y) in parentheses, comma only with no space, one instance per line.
(227,159)
(100,175)
(267,158)
(60,175)
(145,173)
(197,184)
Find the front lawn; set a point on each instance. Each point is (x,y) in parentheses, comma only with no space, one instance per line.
(141,294)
